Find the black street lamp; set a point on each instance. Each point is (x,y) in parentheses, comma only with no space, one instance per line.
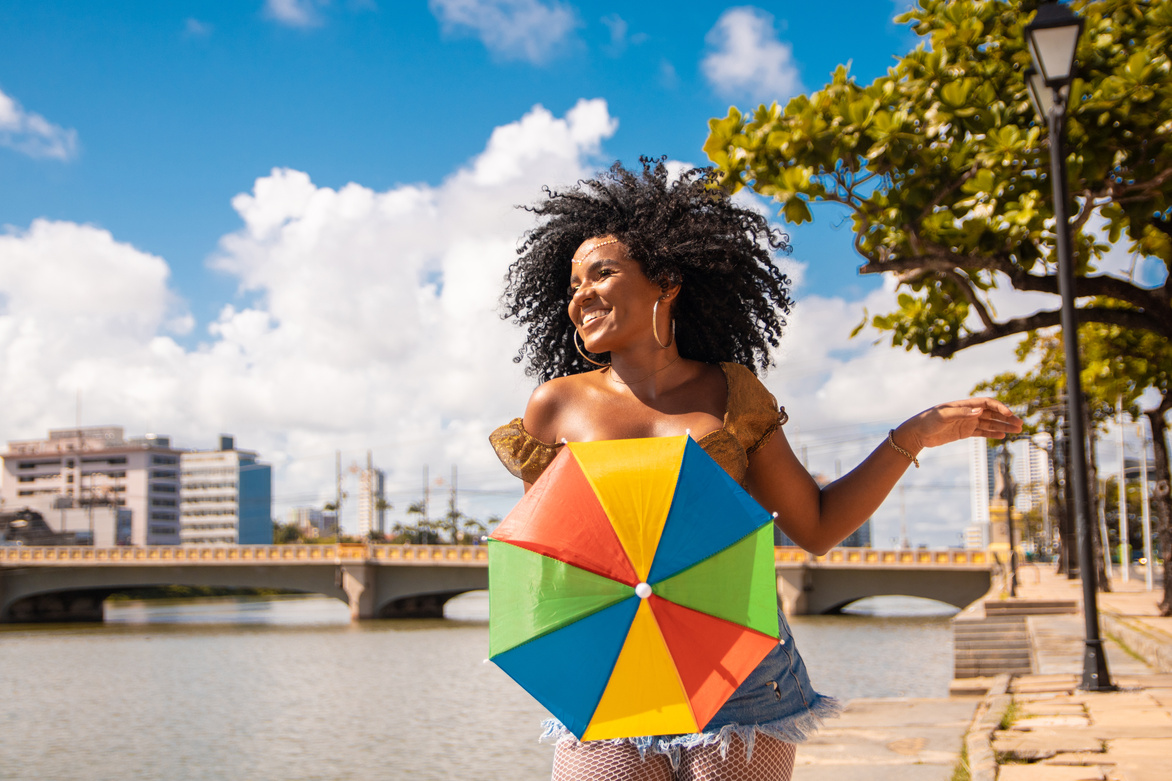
(1052,38)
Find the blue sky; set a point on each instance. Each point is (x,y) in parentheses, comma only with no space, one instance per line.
(178,106)
(233,216)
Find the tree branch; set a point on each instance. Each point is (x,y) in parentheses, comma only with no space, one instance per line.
(966,287)
(1125,318)
(940,260)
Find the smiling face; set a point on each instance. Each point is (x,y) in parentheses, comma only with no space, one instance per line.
(611,299)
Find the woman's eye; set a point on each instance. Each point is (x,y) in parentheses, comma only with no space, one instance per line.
(571,290)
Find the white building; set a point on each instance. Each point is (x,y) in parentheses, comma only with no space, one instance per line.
(96,483)
(1031,473)
(371,501)
(310,520)
(1031,470)
(227,497)
(976,536)
(981,480)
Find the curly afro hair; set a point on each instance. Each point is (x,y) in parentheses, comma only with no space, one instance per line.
(732,301)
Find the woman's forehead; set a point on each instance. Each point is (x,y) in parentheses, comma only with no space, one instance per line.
(592,245)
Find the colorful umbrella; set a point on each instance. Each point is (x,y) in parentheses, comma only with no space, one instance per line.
(632,589)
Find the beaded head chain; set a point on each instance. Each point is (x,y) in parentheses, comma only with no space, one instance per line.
(595,248)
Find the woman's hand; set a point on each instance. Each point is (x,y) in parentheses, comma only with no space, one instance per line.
(953,420)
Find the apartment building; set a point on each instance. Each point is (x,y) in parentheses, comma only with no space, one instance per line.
(94,482)
(371,501)
(226,497)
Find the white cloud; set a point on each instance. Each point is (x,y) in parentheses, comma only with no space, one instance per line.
(32,134)
(295,13)
(196,29)
(620,36)
(843,395)
(618,32)
(531,30)
(374,322)
(374,325)
(746,59)
(668,78)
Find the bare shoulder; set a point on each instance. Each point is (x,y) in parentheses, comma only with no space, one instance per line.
(550,401)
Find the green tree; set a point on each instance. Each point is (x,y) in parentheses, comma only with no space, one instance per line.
(1108,376)
(943,165)
(286,534)
(1135,531)
(423,531)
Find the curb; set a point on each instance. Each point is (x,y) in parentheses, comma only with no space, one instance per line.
(978,740)
(1156,651)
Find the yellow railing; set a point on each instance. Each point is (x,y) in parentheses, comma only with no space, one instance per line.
(15,555)
(901,557)
(457,555)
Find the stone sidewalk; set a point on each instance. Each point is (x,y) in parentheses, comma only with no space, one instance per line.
(1040,727)
(895,739)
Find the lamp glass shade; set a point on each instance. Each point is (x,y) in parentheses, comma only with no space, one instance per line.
(1053,38)
(1040,95)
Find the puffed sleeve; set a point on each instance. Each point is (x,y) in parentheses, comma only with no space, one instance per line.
(523,455)
(753,414)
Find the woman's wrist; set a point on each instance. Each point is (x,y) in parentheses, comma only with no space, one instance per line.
(904,441)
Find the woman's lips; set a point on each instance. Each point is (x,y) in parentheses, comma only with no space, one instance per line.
(589,318)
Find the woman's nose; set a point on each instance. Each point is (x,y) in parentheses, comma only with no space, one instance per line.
(584,292)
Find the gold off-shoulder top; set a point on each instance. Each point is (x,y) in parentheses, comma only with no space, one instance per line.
(751,417)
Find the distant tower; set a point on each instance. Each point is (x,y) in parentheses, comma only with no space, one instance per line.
(371,487)
(981,479)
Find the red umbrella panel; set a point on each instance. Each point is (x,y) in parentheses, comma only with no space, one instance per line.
(633,588)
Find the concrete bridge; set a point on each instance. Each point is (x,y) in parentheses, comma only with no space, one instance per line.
(394,581)
(815,585)
(376,581)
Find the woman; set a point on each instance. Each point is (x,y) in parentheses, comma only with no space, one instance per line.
(673,304)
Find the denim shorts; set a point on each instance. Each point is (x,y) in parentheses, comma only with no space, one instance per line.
(776,699)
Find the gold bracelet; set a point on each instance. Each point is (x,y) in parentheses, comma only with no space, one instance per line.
(900,450)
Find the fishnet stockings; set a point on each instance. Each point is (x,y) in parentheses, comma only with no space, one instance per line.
(773,760)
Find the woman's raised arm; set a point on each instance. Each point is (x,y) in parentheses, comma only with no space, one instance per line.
(816,518)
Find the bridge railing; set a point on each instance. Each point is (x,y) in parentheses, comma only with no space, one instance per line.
(460,555)
(454,555)
(901,557)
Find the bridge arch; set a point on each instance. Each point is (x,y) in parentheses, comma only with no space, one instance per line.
(821,589)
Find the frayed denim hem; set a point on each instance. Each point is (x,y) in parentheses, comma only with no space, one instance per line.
(792,729)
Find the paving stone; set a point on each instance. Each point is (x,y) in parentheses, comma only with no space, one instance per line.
(1142,759)
(1154,681)
(1052,708)
(1043,722)
(1039,684)
(1134,730)
(1050,773)
(1080,758)
(871,773)
(1120,701)
(1042,744)
(1147,717)
(1030,686)
(1163,697)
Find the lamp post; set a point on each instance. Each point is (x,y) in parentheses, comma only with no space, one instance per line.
(1052,38)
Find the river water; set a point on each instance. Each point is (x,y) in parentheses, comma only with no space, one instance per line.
(288,689)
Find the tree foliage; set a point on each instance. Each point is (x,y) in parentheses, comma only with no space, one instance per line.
(943,164)
(1112,373)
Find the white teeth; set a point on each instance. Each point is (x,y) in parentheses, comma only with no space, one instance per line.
(590,316)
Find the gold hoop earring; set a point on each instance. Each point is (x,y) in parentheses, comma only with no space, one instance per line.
(584,355)
(655,330)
